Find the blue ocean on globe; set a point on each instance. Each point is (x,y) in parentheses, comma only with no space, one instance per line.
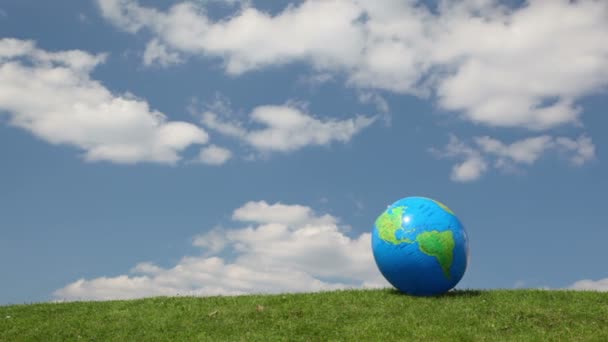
(420,246)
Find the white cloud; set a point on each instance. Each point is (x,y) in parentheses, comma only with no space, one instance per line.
(527,151)
(591,285)
(469,170)
(472,166)
(157,53)
(212,242)
(287,128)
(262,212)
(368,97)
(145,268)
(233,129)
(214,155)
(495,65)
(277,253)
(63,105)
(583,148)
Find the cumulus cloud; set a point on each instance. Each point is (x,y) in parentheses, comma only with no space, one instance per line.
(476,158)
(262,212)
(469,170)
(214,155)
(472,166)
(287,128)
(51,95)
(495,65)
(158,54)
(284,248)
(591,285)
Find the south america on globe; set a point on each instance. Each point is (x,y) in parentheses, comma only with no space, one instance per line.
(420,246)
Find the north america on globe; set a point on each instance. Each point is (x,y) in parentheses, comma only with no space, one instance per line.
(434,243)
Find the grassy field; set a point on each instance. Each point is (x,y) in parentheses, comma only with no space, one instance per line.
(353,315)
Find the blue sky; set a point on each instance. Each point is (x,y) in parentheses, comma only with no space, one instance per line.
(227,147)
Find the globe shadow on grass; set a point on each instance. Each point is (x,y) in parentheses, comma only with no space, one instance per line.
(453,293)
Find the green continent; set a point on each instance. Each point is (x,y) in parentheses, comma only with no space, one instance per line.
(440,245)
(389,223)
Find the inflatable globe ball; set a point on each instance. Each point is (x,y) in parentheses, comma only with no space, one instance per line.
(420,246)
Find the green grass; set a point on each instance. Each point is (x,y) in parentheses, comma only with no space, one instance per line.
(353,315)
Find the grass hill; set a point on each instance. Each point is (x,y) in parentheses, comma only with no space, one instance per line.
(352,315)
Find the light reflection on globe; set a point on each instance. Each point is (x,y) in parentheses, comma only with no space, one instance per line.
(420,246)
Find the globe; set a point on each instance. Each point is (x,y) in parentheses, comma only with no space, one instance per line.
(420,246)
